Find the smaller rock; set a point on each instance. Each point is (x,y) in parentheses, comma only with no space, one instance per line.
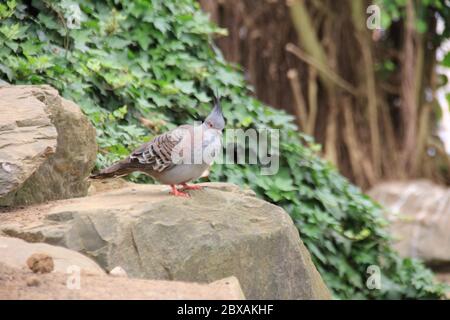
(53,286)
(118,272)
(33,282)
(419,212)
(14,252)
(40,263)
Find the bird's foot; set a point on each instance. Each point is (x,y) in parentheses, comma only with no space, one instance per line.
(178,193)
(193,187)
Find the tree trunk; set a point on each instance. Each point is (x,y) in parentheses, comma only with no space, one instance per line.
(318,61)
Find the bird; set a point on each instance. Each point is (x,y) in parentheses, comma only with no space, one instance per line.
(175,157)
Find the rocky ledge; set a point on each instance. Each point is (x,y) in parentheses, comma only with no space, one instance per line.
(221,231)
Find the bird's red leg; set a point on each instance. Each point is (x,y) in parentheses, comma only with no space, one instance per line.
(177,193)
(187,187)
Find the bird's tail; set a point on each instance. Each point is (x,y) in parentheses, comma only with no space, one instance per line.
(119,169)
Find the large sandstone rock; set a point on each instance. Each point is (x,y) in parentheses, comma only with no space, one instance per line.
(47,146)
(15,252)
(419,212)
(21,284)
(220,232)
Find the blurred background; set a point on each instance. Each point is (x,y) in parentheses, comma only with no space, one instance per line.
(367,79)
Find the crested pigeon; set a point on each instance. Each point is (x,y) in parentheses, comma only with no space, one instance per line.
(177,156)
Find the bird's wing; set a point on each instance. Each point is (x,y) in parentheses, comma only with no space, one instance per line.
(160,152)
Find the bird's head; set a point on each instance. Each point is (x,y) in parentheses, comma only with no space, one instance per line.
(215,119)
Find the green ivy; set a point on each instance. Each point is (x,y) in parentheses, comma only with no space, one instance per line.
(155,59)
(394,10)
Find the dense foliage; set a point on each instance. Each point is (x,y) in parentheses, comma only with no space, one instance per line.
(137,68)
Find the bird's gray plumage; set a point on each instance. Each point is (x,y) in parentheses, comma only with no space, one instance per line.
(216,116)
(157,154)
(170,157)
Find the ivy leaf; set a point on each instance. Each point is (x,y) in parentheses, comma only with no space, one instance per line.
(117,42)
(161,24)
(120,112)
(202,97)
(143,38)
(13,32)
(284,184)
(6,70)
(186,87)
(81,39)
(49,22)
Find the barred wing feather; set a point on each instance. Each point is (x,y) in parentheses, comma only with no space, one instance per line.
(162,150)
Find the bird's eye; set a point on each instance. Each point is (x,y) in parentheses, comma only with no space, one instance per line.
(210,124)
